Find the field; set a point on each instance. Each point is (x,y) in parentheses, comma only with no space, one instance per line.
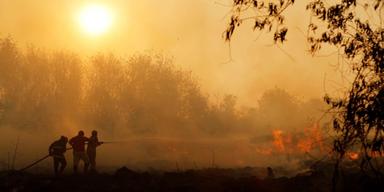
(318,179)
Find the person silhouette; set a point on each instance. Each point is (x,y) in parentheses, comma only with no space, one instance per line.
(78,145)
(91,150)
(57,150)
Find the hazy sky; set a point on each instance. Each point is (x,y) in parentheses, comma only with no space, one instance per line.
(190,32)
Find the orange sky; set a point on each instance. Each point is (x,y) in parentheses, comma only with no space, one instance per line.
(190,32)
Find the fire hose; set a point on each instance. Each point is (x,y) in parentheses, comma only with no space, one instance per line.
(46,156)
(37,161)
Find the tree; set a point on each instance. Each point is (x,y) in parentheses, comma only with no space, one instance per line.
(359,37)
(280,110)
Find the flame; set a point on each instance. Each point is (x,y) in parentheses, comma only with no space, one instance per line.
(375,154)
(310,141)
(307,140)
(278,140)
(353,155)
(313,139)
(304,145)
(318,136)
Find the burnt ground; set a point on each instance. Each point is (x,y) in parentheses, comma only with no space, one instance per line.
(210,180)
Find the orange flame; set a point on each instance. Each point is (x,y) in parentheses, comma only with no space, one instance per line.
(278,140)
(313,139)
(304,145)
(353,155)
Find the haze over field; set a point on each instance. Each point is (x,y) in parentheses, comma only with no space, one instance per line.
(188,31)
(157,77)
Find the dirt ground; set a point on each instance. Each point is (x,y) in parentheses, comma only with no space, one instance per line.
(210,179)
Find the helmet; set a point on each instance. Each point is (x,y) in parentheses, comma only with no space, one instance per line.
(94,132)
(81,133)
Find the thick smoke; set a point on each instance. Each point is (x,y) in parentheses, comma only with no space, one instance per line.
(155,110)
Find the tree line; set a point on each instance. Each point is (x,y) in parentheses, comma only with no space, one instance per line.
(143,94)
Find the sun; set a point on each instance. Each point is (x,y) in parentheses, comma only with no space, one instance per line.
(95,19)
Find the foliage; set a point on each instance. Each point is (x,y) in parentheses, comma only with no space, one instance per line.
(355,28)
(265,15)
(144,94)
(141,94)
